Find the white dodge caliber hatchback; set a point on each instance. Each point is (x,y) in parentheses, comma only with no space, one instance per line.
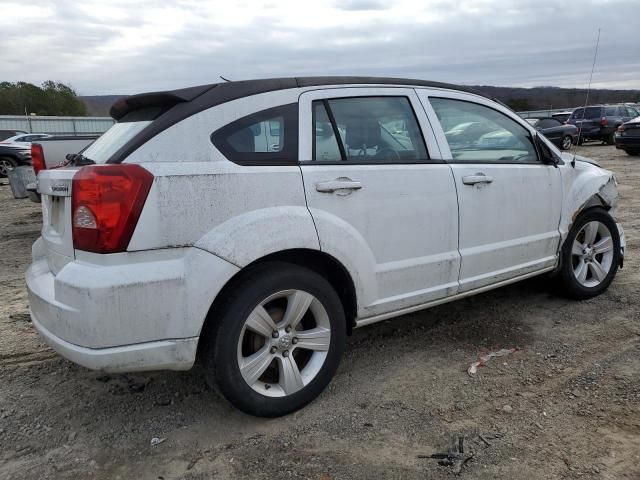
(252,225)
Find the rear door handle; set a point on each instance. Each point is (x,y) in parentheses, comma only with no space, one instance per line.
(477,178)
(341,183)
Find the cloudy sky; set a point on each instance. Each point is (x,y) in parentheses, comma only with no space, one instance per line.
(129,46)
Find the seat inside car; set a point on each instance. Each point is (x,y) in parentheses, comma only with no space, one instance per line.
(364,141)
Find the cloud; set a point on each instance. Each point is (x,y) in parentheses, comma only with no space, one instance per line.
(357,5)
(130,46)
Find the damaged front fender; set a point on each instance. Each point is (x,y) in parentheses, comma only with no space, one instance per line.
(587,185)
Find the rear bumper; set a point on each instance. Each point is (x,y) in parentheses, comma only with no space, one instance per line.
(627,143)
(162,355)
(137,311)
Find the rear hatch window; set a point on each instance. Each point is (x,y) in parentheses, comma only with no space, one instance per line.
(589,113)
(120,133)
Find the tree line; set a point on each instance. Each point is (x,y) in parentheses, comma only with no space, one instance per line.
(51,98)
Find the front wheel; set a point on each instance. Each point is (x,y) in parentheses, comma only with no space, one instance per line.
(567,142)
(277,340)
(590,255)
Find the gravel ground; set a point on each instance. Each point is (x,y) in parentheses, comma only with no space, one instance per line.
(565,405)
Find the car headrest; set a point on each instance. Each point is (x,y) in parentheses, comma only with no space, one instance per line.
(363,133)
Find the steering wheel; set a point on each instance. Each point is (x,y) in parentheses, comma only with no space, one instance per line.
(387,152)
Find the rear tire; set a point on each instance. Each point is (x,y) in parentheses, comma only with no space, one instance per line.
(633,152)
(590,255)
(6,165)
(567,142)
(271,374)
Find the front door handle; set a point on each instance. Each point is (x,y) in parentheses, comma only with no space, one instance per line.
(342,183)
(477,178)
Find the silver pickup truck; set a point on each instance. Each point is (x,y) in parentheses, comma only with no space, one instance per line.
(55,150)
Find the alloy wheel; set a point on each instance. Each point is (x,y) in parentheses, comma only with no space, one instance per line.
(284,343)
(5,167)
(592,254)
(566,143)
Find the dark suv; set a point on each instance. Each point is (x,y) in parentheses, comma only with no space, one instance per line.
(600,122)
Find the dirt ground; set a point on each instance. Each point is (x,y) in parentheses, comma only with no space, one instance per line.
(565,405)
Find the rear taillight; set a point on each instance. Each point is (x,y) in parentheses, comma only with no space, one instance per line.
(621,128)
(37,158)
(604,122)
(106,204)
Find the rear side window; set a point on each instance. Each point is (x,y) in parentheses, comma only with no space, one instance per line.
(548,123)
(589,112)
(268,137)
(367,130)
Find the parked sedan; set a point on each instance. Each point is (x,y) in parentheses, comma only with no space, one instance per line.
(26,138)
(628,137)
(181,234)
(561,135)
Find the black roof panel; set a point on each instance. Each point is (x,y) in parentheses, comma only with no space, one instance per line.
(207,96)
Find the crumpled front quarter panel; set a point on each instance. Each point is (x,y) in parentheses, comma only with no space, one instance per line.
(585,186)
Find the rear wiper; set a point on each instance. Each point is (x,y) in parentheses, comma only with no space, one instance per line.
(78,160)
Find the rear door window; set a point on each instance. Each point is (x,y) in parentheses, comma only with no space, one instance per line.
(367,130)
(589,113)
(266,137)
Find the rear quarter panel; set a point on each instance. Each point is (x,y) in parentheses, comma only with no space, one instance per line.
(200,198)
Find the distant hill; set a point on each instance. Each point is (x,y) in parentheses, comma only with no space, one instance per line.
(99,105)
(537,98)
(542,98)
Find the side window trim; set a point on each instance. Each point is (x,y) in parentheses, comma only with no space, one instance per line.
(336,132)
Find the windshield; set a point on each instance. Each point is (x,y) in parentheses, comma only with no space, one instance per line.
(589,112)
(119,134)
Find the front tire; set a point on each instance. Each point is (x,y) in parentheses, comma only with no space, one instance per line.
(611,138)
(590,255)
(633,152)
(276,341)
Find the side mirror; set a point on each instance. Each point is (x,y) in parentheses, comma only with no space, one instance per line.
(546,154)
